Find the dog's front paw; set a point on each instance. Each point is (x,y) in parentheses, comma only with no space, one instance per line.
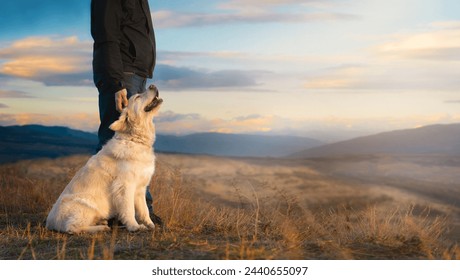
(133,227)
(151,225)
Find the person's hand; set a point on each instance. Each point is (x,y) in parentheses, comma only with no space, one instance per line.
(121,99)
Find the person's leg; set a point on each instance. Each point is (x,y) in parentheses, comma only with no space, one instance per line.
(107,114)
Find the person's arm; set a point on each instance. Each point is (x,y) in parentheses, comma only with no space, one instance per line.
(106,31)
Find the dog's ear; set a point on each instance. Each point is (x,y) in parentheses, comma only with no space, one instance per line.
(121,124)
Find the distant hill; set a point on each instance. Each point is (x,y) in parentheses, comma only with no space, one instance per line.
(238,145)
(37,141)
(433,139)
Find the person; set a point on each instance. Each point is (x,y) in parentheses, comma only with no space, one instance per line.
(124,56)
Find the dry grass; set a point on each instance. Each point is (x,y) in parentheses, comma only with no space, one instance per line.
(253,224)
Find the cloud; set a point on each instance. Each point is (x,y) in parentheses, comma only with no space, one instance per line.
(386,75)
(328,128)
(440,42)
(247,124)
(452,101)
(168,57)
(3,106)
(179,78)
(53,61)
(87,122)
(171,19)
(423,60)
(250,12)
(267,4)
(172,123)
(67,61)
(169,122)
(248,118)
(14,94)
(169,117)
(70,79)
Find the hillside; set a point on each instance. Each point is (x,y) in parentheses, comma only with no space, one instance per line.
(36,141)
(433,139)
(252,208)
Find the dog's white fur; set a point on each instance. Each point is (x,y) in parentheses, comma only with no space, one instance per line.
(113,182)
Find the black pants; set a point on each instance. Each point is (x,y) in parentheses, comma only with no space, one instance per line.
(108,114)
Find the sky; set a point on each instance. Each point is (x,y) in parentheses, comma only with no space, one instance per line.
(326,69)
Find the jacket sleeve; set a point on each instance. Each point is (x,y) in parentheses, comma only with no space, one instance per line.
(106,31)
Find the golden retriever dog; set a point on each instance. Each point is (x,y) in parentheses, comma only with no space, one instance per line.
(113,182)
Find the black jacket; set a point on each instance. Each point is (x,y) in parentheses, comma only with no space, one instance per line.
(124,41)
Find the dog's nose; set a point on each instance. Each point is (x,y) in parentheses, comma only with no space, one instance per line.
(153,87)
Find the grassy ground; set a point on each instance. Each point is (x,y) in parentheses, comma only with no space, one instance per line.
(225,213)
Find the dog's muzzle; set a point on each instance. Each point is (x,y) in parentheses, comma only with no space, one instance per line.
(155,101)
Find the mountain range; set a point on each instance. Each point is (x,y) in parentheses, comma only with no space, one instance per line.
(36,141)
(432,139)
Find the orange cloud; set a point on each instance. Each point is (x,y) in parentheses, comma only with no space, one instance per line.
(36,66)
(171,123)
(44,42)
(38,57)
(254,123)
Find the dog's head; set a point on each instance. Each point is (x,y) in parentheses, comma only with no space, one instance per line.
(139,113)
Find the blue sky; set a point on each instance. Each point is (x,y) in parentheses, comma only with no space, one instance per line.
(329,69)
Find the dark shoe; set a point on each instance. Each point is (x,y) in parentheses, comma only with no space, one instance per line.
(156,219)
